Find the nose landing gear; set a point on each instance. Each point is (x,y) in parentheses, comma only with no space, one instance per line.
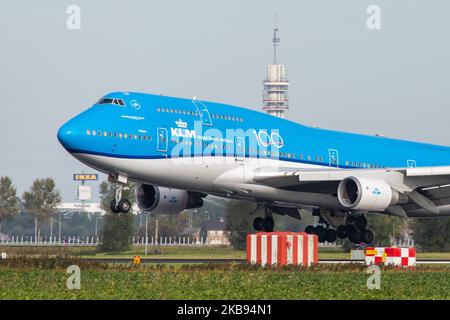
(265,224)
(119,205)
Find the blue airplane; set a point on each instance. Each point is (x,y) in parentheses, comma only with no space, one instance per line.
(178,151)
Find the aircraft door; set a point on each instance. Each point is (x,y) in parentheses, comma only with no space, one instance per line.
(411,163)
(239,149)
(162,140)
(333,156)
(203,112)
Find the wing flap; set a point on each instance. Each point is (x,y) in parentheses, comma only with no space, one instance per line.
(428,171)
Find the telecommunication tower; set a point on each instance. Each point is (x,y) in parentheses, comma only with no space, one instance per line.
(275,96)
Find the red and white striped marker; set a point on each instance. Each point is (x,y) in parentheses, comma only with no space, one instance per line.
(405,257)
(282,248)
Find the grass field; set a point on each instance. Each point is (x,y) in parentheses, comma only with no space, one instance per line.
(194,252)
(46,278)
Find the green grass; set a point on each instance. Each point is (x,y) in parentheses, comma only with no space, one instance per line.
(187,252)
(420,255)
(219,281)
(204,252)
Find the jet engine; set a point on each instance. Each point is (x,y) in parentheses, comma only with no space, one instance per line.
(367,194)
(165,200)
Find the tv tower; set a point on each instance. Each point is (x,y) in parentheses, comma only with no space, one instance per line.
(275,96)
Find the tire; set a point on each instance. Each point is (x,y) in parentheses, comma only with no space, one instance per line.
(114,208)
(258,224)
(350,219)
(124,206)
(321,233)
(361,222)
(331,235)
(268,224)
(354,235)
(366,236)
(310,230)
(342,231)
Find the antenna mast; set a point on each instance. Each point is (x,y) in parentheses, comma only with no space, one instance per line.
(275,40)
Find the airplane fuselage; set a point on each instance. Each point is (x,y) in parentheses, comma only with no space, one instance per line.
(214,148)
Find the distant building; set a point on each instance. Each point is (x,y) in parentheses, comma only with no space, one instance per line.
(214,232)
(4,237)
(92,208)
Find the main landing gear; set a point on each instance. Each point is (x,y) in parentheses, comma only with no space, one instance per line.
(323,233)
(265,224)
(119,205)
(355,230)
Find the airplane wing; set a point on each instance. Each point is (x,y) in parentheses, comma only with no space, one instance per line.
(426,187)
(407,179)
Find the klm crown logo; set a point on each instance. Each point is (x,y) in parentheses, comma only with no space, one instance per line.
(181,124)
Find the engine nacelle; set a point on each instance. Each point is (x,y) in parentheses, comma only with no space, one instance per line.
(367,194)
(165,200)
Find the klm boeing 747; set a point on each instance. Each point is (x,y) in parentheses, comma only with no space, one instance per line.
(179,151)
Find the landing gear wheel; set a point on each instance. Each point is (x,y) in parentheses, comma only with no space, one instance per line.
(361,222)
(350,220)
(342,231)
(124,206)
(331,235)
(321,233)
(309,230)
(114,208)
(366,236)
(354,235)
(258,224)
(268,224)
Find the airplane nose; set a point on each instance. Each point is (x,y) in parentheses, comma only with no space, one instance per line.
(67,135)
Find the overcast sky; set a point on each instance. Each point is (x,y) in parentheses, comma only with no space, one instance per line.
(393,81)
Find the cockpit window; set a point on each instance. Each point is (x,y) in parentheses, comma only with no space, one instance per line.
(118,102)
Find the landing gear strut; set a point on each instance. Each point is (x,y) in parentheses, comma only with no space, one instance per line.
(119,205)
(265,224)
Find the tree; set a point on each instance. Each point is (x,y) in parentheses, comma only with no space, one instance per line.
(432,234)
(41,201)
(168,225)
(385,228)
(239,221)
(9,202)
(118,229)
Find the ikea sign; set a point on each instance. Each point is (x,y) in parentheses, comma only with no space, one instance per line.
(85,177)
